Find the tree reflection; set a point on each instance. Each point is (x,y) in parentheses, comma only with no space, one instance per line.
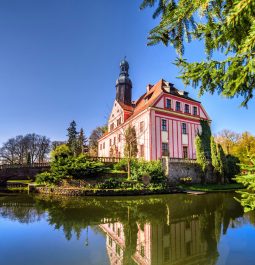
(175,229)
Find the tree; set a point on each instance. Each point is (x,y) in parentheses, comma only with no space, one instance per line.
(95,135)
(227,139)
(233,165)
(244,147)
(217,165)
(200,153)
(72,137)
(82,142)
(226,27)
(20,148)
(248,180)
(130,149)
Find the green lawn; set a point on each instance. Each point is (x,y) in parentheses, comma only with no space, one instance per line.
(20,181)
(212,187)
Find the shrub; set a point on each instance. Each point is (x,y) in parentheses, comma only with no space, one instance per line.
(109,184)
(47,177)
(121,165)
(151,169)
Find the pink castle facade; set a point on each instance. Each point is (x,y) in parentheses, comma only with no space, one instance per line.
(166,121)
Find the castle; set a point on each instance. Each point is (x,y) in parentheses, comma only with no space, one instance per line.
(166,120)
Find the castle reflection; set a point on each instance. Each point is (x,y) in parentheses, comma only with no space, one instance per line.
(186,234)
(176,229)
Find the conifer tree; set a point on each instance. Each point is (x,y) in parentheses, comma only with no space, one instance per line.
(226,27)
(200,153)
(217,163)
(82,141)
(72,137)
(248,180)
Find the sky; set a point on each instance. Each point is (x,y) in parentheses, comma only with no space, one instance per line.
(59,61)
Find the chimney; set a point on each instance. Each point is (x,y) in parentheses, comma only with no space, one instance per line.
(148,87)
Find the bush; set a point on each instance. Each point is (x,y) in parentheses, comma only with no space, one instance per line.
(109,184)
(121,165)
(233,165)
(47,177)
(151,169)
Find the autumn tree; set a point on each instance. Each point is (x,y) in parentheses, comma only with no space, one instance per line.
(130,150)
(227,28)
(227,139)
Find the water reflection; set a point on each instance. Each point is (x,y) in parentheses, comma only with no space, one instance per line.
(175,229)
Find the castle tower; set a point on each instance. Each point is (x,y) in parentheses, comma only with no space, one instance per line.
(124,84)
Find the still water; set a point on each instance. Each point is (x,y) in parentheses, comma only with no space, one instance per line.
(149,230)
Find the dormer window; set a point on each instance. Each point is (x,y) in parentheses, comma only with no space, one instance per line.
(195,111)
(186,108)
(111,126)
(168,103)
(119,121)
(178,106)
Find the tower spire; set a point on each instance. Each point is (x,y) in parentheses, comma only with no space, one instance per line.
(124,84)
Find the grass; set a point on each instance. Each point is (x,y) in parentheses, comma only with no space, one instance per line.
(212,187)
(20,181)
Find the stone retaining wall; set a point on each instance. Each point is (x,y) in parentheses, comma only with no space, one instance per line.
(109,192)
(187,172)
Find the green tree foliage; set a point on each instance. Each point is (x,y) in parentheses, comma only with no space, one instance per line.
(223,161)
(238,145)
(64,165)
(72,137)
(95,135)
(217,165)
(248,180)
(233,166)
(81,142)
(130,149)
(151,169)
(200,153)
(226,27)
(203,145)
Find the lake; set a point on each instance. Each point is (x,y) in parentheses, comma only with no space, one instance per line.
(149,230)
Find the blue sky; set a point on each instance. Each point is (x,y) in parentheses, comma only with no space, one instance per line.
(59,60)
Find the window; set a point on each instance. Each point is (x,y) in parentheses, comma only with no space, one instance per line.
(103,145)
(178,106)
(168,103)
(195,111)
(163,125)
(111,126)
(114,140)
(166,254)
(184,128)
(118,232)
(142,251)
(165,149)
(141,126)
(110,241)
(100,146)
(186,108)
(110,142)
(185,152)
(117,249)
(141,150)
(119,137)
(118,121)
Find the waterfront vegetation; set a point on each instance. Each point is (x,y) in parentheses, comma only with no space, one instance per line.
(65,166)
